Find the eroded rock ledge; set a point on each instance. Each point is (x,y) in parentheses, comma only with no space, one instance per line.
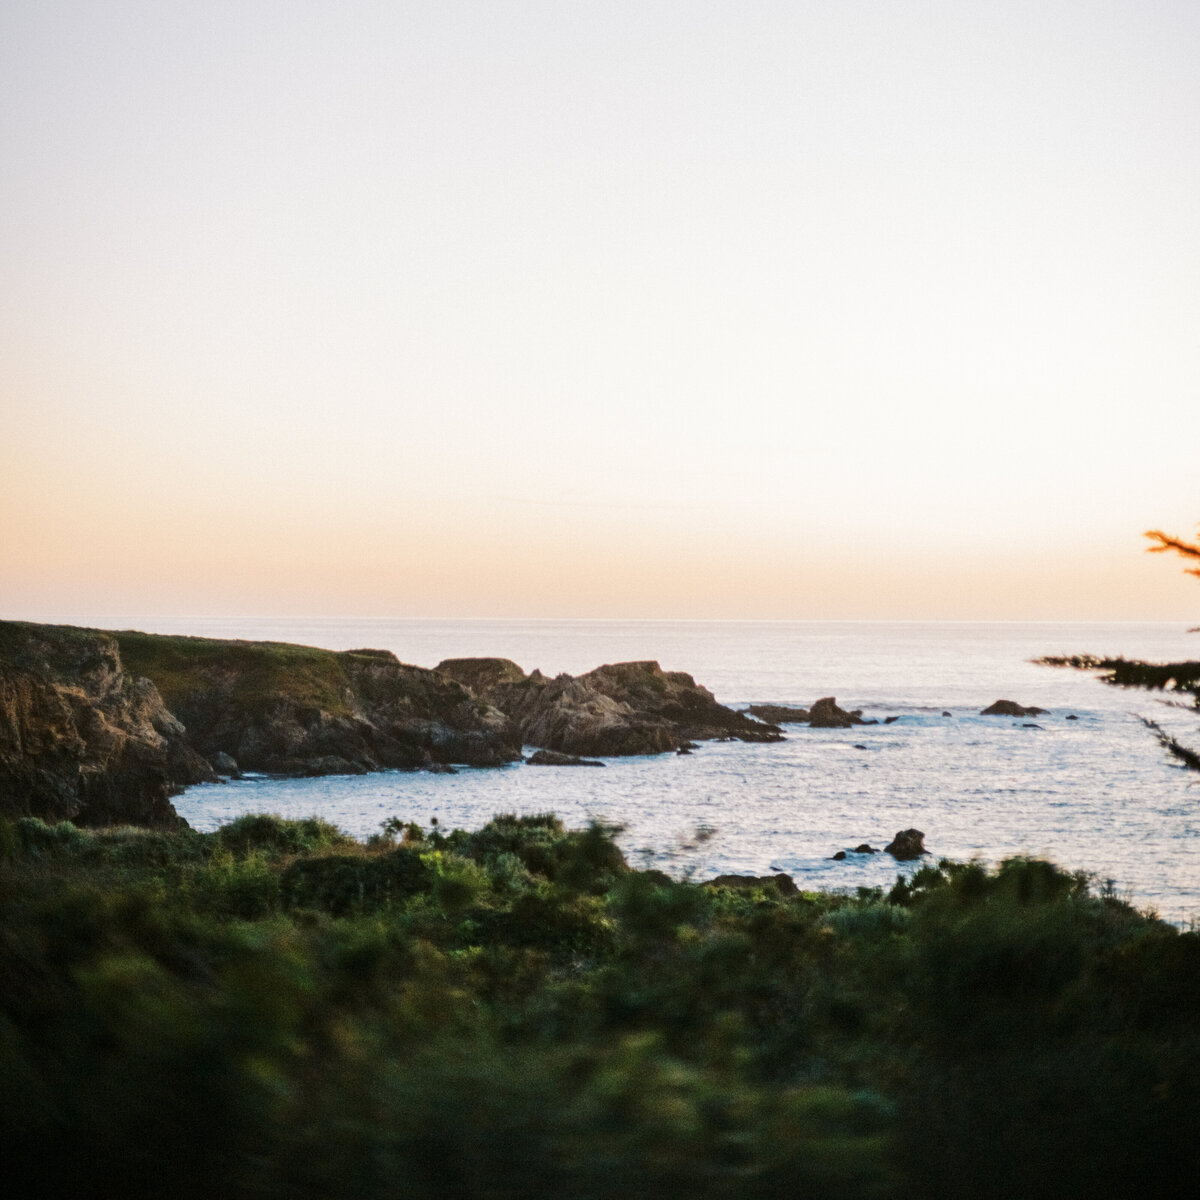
(623,708)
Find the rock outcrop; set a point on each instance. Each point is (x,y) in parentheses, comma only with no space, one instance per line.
(80,738)
(906,845)
(1010,708)
(552,758)
(827,715)
(299,710)
(479,674)
(619,709)
(102,728)
(779,714)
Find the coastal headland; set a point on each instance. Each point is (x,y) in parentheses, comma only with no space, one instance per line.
(103,727)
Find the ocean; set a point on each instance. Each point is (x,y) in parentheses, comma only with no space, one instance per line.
(1095,794)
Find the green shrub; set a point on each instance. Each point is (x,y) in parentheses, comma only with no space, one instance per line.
(275,835)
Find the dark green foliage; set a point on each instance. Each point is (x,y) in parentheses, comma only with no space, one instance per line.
(344,884)
(272,1011)
(274,835)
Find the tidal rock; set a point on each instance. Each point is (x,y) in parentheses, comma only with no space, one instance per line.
(907,844)
(779,714)
(552,758)
(865,848)
(826,715)
(890,720)
(1030,725)
(225,765)
(947,714)
(1072,717)
(838,855)
(1010,708)
(785,885)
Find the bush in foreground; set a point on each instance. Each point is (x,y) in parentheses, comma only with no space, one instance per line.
(272,1010)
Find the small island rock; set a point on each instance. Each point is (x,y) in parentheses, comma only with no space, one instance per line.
(1010,708)
(907,844)
(827,715)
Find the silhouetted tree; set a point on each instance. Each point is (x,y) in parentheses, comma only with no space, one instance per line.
(1178,678)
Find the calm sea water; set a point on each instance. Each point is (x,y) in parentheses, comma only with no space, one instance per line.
(1095,794)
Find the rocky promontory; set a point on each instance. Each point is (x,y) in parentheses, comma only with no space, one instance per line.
(103,727)
(618,709)
(80,738)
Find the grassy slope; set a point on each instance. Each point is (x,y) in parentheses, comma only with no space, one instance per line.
(259,673)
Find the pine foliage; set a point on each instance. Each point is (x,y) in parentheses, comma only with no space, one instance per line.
(1180,679)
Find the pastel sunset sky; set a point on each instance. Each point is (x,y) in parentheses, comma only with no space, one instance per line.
(686,308)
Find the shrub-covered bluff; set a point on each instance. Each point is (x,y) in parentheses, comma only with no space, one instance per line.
(274,1010)
(103,727)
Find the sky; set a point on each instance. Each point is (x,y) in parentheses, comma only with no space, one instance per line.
(675,309)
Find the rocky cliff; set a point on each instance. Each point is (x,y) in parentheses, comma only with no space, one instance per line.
(104,727)
(299,710)
(81,739)
(100,727)
(624,708)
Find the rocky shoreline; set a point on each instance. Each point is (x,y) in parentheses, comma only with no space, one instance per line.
(103,727)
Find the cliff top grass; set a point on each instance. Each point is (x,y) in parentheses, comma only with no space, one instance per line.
(257,675)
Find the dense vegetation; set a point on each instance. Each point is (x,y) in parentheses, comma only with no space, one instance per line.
(273,1010)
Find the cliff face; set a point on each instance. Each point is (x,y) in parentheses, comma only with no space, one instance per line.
(624,708)
(102,727)
(82,740)
(299,710)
